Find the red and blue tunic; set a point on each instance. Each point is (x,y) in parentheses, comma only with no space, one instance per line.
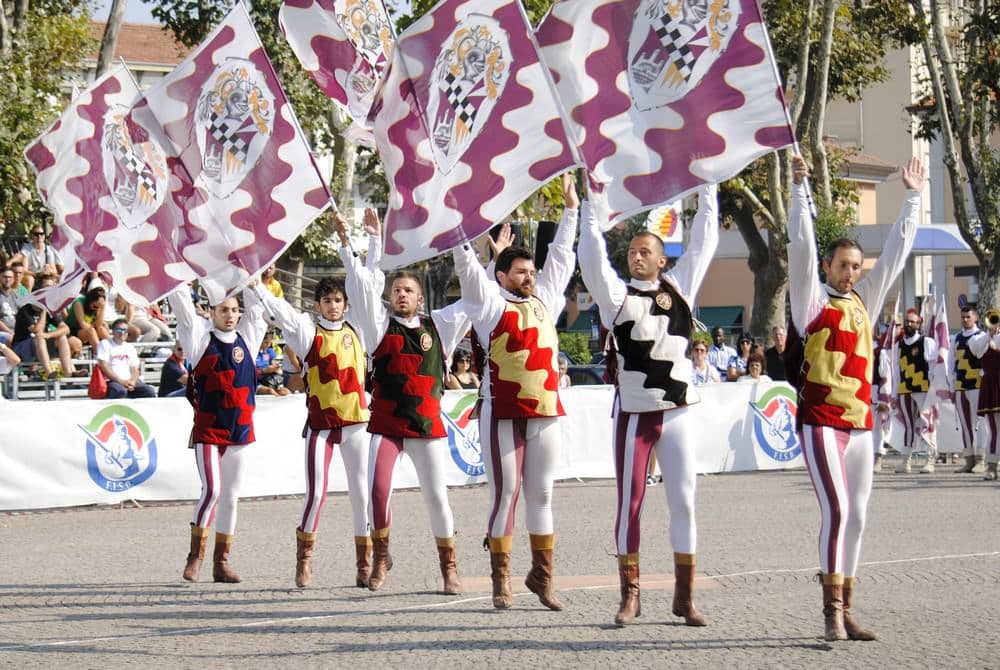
(407,369)
(222,389)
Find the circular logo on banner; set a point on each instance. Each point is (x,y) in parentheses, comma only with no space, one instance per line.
(463,436)
(348,341)
(238,355)
(774,424)
(426,341)
(121,452)
(539,313)
(664,301)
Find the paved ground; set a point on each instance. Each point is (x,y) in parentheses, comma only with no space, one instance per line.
(99,588)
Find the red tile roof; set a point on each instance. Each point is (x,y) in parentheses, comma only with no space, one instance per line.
(142,43)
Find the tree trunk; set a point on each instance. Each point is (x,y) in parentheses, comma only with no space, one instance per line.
(989,284)
(110,40)
(769,288)
(821,169)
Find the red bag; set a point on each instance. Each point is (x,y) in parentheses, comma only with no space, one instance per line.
(97,389)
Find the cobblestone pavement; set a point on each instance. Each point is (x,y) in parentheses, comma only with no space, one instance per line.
(97,588)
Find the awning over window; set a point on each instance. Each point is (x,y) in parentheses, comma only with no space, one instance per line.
(730,318)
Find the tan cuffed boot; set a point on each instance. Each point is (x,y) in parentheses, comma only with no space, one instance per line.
(449,566)
(381,560)
(854,631)
(970,462)
(303,557)
(991,472)
(833,607)
(199,538)
(499,548)
(905,466)
(628,577)
(221,572)
(978,464)
(363,560)
(684,572)
(539,579)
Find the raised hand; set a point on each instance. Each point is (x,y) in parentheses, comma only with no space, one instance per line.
(914,175)
(572,200)
(342,227)
(800,171)
(504,239)
(371,223)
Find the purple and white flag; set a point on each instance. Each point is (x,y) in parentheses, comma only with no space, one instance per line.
(106,184)
(244,175)
(467,126)
(664,96)
(344,45)
(940,387)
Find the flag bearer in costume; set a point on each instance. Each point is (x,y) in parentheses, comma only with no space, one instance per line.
(968,376)
(337,407)
(985,345)
(221,388)
(650,323)
(917,354)
(519,419)
(409,353)
(835,399)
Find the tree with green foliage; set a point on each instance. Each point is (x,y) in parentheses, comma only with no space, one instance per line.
(41,45)
(961,49)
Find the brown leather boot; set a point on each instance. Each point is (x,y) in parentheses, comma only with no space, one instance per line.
(199,538)
(499,548)
(381,560)
(833,607)
(303,557)
(970,462)
(221,572)
(539,579)
(449,566)
(628,576)
(854,631)
(363,556)
(684,590)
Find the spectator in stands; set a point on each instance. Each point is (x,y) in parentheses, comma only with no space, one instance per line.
(120,364)
(86,317)
(756,367)
(149,324)
(702,372)
(174,373)
(720,353)
(462,376)
(39,335)
(18,269)
(269,379)
(8,305)
(9,360)
(738,364)
(271,282)
(40,258)
(774,357)
(291,369)
(564,381)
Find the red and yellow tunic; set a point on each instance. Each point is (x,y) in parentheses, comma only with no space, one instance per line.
(408,371)
(524,350)
(837,369)
(335,378)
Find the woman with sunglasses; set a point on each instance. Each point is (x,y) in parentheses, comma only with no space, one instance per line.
(38,258)
(462,375)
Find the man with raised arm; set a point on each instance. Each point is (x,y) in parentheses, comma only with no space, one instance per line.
(514,319)
(650,322)
(221,388)
(835,399)
(409,353)
(337,414)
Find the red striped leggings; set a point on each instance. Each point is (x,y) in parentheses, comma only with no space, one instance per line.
(221,471)
(636,437)
(989,428)
(965,413)
(840,467)
(353,442)
(430,459)
(909,409)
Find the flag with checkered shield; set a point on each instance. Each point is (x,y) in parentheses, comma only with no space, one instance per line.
(664,95)
(344,45)
(467,126)
(247,182)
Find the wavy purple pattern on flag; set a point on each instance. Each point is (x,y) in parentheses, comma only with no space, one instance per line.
(415,172)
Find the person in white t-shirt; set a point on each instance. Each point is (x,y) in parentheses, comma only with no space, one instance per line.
(120,364)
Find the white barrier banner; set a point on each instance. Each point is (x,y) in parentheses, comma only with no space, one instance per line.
(80,452)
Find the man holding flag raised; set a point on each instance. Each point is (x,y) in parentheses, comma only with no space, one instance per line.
(835,399)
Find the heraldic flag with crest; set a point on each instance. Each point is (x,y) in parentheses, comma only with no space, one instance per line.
(344,45)
(467,126)
(664,95)
(106,183)
(239,163)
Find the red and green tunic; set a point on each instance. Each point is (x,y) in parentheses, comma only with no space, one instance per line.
(336,379)
(407,369)
(524,350)
(837,369)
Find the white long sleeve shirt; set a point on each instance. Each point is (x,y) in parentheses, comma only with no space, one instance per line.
(194,332)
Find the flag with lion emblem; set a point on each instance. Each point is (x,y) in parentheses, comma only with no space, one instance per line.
(467,126)
(664,95)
